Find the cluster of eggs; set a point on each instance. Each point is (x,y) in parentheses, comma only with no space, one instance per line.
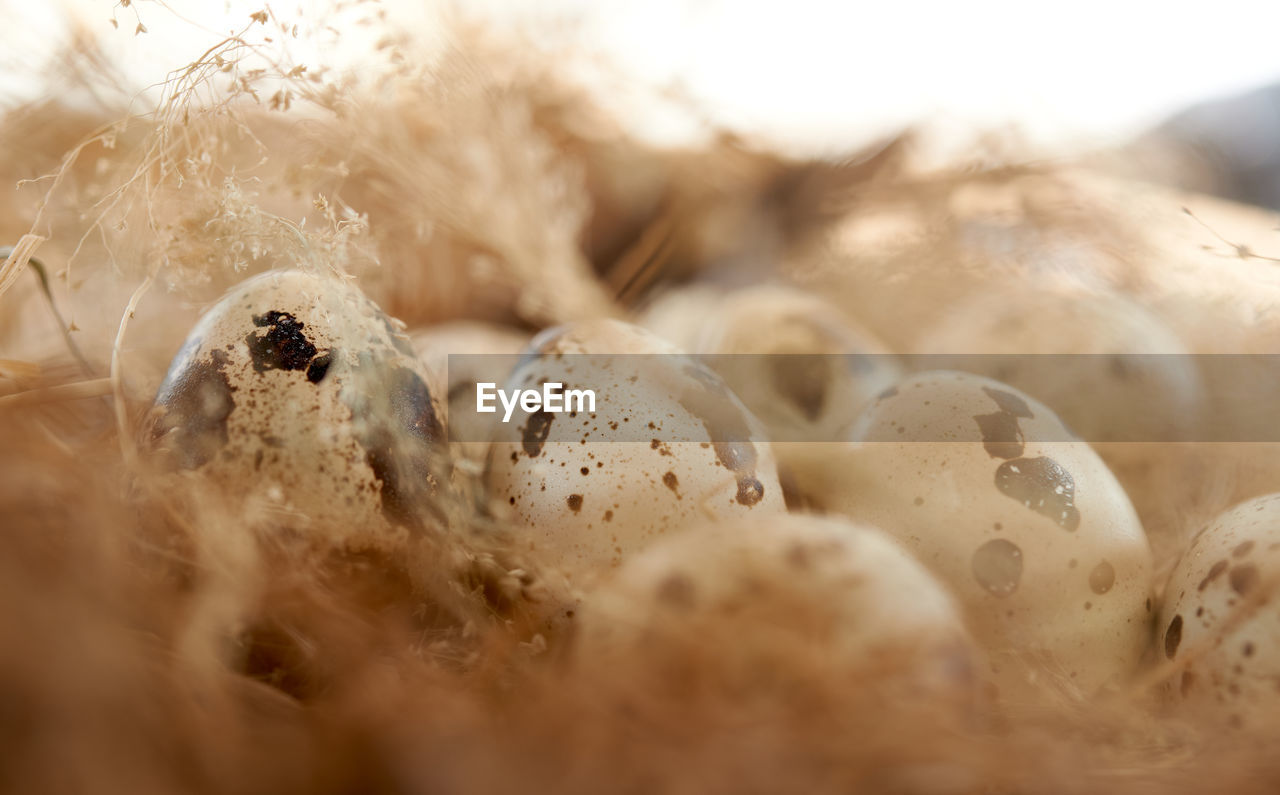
(945,517)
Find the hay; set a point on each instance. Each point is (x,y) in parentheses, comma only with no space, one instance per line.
(150,642)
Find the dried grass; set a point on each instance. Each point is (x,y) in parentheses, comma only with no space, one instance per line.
(150,642)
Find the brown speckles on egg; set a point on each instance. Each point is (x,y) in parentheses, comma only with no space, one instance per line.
(1001,435)
(1042,485)
(997,566)
(1173,637)
(1102,578)
(1243,578)
(574,502)
(1215,571)
(672,482)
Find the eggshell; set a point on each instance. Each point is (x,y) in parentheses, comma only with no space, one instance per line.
(1111,369)
(802,367)
(769,591)
(1220,616)
(586,500)
(296,391)
(1028,529)
(482,353)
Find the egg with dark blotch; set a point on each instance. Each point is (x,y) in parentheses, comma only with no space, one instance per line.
(297,392)
(667,444)
(1220,621)
(1024,523)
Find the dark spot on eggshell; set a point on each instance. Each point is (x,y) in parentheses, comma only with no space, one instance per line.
(1001,435)
(670,480)
(396,424)
(997,566)
(802,381)
(319,368)
(575,502)
(1188,681)
(1215,571)
(195,401)
(1243,549)
(750,491)
(1102,578)
(708,399)
(676,590)
(1042,485)
(283,346)
(535,431)
(1243,578)
(1173,637)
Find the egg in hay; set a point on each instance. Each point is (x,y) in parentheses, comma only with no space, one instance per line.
(799,364)
(1221,619)
(1024,524)
(296,390)
(666,444)
(771,592)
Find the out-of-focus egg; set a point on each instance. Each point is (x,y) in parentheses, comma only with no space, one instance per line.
(1028,528)
(482,353)
(1109,368)
(802,367)
(770,591)
(295,389)
(667,444)
(1218,611)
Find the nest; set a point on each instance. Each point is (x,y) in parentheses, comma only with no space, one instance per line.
(150,643)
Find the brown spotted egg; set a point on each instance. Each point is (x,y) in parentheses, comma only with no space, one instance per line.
(1221,617)
(773,589)
(297,392)
(1026,526)
(667,444)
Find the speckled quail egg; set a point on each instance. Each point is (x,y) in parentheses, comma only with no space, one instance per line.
(667,443)
(802,367)
(295,389)
(1221,618)
(482,352)
(777,589)
(1026,526)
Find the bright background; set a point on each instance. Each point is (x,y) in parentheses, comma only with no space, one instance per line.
(814,75)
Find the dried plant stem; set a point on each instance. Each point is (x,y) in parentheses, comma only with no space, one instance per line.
(79,390)
(17,260)
(128,447)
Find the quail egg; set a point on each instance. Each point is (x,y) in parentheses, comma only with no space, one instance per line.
(1025,525)
(1221,617)
(296,390)
(666,444)
(772,589)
